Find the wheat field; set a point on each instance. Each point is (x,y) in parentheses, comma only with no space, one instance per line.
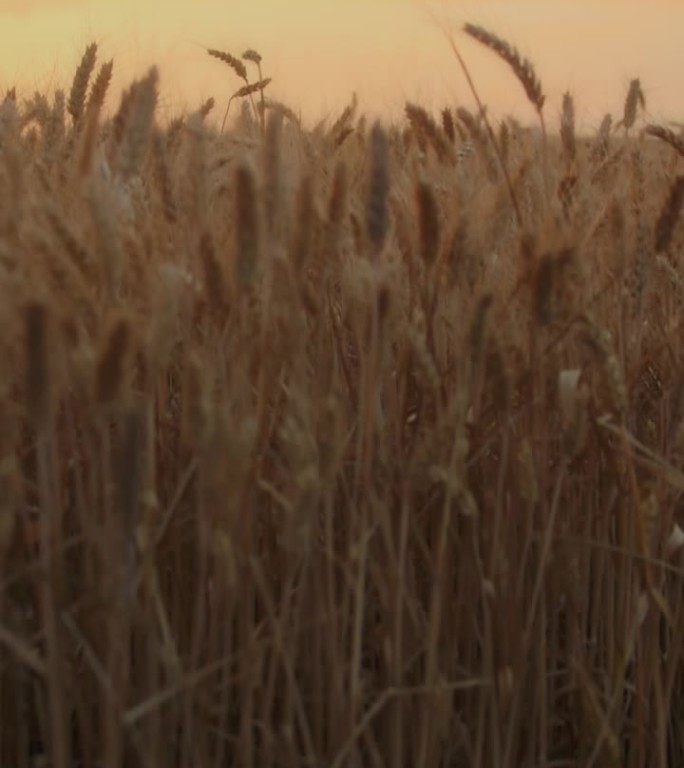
(349,446)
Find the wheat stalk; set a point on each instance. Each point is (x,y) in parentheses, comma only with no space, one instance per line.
(377,221)
(526,75)
(471,84)
(248,230)
(246,90)
(39,375)
(111,363)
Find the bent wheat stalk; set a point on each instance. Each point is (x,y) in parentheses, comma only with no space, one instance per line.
(483,112)
(524,71)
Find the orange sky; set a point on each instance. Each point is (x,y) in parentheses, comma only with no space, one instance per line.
(320,51)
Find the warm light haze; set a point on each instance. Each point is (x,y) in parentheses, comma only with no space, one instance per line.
(318,52)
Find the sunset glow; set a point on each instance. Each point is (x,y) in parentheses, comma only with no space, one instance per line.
(319,52)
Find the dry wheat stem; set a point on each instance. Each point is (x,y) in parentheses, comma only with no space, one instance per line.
(473,90)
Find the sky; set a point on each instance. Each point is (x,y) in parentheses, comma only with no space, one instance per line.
(319,52)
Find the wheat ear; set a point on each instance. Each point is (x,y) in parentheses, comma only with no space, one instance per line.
(80,83)
(666,135)
(522,67)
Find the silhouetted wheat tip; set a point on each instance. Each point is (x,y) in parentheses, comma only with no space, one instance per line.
(110,368)
(123,112)
(473,127)
(139,124)
(232,61)
(669,216)
(38,375)
(428,222)
(253,56)
(377,218)
(522,67)
(101,85)
(79,85)
(206,108)
(666,135)
(601,145)
(38,109)
(634,98)
(345,117)
(248,90)
(425,126)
